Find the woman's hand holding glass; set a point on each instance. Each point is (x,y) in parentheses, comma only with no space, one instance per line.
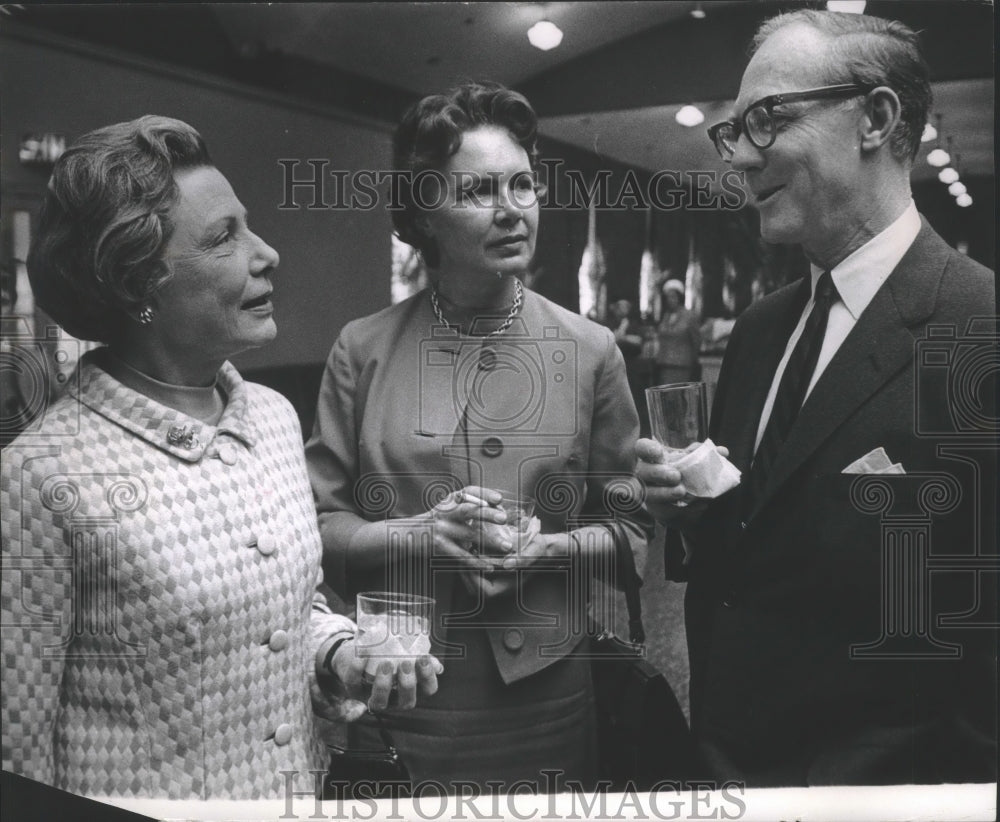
(464,527)
(372,681)
(483,527)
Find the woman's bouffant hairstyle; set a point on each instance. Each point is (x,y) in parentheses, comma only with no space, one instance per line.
(431,132)
(97,253)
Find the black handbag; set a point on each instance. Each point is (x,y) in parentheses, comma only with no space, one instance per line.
(643,736)
(365,774)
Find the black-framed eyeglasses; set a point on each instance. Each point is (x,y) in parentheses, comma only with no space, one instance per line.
(758,122)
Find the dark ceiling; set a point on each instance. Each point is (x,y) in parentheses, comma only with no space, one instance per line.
(612,86)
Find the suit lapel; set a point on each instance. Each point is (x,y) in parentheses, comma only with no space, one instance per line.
(439,407)
(877,348)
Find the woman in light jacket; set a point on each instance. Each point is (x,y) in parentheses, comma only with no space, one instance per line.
(162,630)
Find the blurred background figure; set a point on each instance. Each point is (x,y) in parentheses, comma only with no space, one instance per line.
(624,324)
(678,338)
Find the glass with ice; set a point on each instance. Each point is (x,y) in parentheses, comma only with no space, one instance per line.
(519,512)
(393,626)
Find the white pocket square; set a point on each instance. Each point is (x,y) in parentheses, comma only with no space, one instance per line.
(874,462)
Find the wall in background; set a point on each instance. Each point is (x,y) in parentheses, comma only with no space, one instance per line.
(335,264)
(973,228)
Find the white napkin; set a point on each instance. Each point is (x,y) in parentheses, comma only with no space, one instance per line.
(705,472)
(874,462)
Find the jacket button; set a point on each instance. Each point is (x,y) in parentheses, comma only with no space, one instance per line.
(743,525)
(283,734)
(278,640)
(266,544)
(493,446)
(513,639)
(227,453)
(730,600)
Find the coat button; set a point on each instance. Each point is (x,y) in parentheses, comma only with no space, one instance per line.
(730,600)
(227,453)
(493,446)
(283,734)
(266,544)
(513,639)
(278,640)
(743,525)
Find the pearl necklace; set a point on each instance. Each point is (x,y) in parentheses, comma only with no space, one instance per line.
(515,307)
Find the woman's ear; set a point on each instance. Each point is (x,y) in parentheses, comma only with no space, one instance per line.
(882,114)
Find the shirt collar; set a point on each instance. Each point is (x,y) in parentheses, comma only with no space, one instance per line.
(860,275)
(159,425)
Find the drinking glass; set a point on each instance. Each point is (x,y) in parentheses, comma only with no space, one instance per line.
(678,415)
(393,625)
(519,512)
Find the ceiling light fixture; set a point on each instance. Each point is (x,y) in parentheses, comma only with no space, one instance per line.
(939,158)
(689,116)
(947,175)
(930,133)
(957,188)
(545,35)
(964,200)
(698,13)
(846,6)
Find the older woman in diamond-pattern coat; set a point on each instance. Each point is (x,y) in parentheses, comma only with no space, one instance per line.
(163,635)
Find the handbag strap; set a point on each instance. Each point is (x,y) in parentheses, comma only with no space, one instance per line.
(384,735)
(630,584)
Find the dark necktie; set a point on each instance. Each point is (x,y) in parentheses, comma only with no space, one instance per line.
(792,388)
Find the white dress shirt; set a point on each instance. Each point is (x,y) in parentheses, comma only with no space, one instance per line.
(857,278)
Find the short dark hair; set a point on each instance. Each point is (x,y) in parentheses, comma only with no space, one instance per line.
(97,253)
(871,51)
(431,132)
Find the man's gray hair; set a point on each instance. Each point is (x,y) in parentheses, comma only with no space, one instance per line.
(870,51)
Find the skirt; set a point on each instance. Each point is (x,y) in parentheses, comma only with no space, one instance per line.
(477,729)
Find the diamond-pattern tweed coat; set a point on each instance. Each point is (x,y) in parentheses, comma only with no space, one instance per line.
(160,614)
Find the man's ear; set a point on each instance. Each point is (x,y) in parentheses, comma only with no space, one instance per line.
(882,114)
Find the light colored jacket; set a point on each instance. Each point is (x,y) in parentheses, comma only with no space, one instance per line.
(408,411)
(160,619)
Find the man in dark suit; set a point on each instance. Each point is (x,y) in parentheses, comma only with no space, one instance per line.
(841,627)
